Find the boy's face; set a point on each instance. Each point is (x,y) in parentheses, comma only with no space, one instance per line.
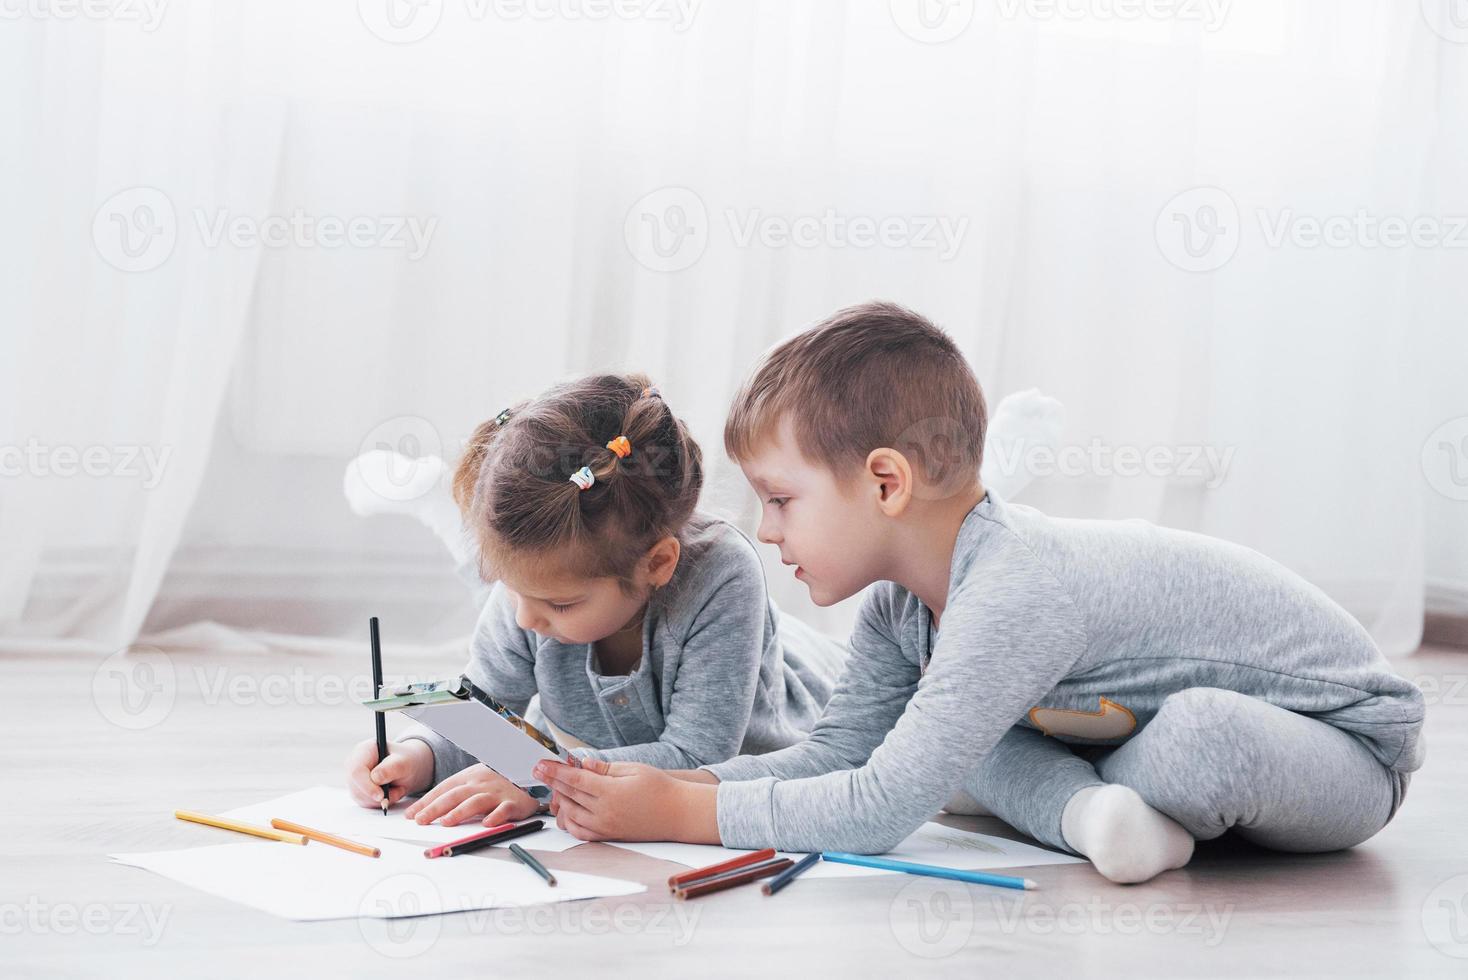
(831,529)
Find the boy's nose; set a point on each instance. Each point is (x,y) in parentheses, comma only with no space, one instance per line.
(767,534)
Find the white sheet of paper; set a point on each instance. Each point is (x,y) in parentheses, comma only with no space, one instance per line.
(932,843)
(486,735)
(332,810)
(318,881)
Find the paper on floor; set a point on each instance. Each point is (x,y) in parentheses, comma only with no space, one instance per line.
(332,810)
(932,843)
(318,881)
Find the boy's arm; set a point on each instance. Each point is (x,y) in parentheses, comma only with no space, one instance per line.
(1001,649)
(874,687)
(500,662)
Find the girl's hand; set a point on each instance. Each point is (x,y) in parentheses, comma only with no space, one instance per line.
(629,801)
(408,767)
(477,791)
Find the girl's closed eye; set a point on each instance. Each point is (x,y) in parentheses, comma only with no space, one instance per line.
(561,607)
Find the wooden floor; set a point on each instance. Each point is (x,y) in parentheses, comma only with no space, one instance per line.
(217,736)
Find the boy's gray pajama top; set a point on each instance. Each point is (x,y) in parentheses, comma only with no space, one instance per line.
(722,672)
(1073,633)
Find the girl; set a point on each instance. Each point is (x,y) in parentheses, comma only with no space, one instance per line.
(643,624)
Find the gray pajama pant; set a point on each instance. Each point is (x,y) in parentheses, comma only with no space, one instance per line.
(1213,760)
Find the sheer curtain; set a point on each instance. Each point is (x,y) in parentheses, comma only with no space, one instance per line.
(1114,210)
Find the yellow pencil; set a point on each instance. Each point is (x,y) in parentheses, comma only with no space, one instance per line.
(347,845)
(239,827)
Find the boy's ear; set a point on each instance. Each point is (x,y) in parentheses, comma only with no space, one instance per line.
(662,561)
(890,474)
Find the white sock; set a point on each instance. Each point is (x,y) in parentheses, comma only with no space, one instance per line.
(1024,421)
(1126,840)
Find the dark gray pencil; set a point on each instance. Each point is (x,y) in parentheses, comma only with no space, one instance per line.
(534,865)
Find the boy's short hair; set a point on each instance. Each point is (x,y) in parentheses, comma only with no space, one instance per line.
(868,376)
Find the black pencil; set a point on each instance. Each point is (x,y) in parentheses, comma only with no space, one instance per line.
(527,859)
(529,827)
(381,719)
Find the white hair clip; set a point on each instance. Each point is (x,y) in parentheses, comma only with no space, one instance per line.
(583,478)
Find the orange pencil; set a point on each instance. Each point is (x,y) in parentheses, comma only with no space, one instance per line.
(325,838)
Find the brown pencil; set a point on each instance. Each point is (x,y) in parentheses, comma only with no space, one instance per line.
(731,879)
(733,864)
(325,838)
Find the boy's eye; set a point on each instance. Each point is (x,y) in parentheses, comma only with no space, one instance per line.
(778,501)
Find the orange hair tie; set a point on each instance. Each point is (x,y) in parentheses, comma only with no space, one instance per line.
(621,447)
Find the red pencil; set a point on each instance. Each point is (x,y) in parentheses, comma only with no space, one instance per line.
(733,864)
(729,880)
(434,852)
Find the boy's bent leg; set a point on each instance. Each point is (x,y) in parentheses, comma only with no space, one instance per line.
(1215,760)
(1026,781)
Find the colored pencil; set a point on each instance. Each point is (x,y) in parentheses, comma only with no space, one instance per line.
(366,850)
(239,827)
(380,720)
(731,879)
(489,840)
(529,861)
(733,864)
(930,871)
(791,873)
(438,851)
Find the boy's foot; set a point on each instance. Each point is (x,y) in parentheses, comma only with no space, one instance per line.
(1126,840)
(1023,422)
(386,482)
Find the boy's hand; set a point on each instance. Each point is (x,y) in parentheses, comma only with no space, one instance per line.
(408,767)
(477,791)
(630,801)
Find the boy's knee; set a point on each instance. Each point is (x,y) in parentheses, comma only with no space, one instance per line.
(1200,712)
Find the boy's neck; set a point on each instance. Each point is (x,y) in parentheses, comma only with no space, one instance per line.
(923,557)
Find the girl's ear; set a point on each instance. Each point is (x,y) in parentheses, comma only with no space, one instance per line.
(662,560)
(889,475)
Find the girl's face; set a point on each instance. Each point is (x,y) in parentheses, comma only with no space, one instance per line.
(571,609)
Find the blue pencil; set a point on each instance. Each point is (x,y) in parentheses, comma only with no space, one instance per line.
(791,873)
(928,870)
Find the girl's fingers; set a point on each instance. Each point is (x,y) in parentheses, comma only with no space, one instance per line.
(443,803)
(504,813)
(475,805)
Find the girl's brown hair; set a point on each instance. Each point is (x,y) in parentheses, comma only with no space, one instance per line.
(513,484)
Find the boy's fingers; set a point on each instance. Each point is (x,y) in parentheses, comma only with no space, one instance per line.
(582,782)
(599,766)
(577,815)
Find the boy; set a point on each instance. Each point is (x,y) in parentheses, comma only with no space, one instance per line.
(1112,688)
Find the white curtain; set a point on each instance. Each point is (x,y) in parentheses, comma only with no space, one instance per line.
(1114,209)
